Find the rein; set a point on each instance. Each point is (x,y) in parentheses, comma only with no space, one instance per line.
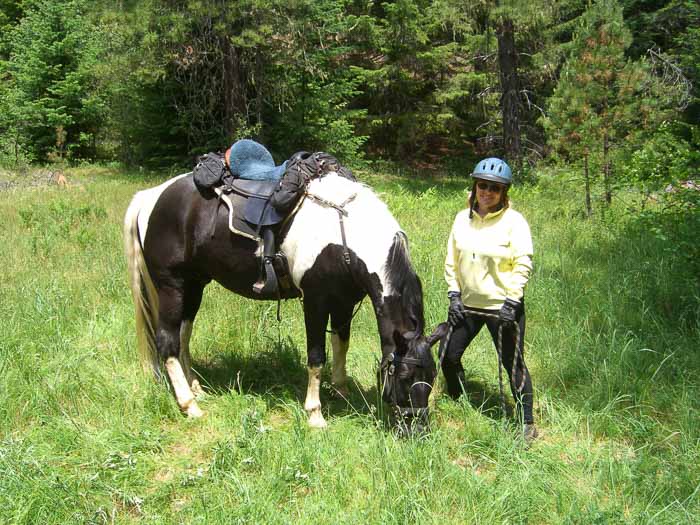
(518,357)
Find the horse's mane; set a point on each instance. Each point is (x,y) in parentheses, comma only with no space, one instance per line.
(404,280)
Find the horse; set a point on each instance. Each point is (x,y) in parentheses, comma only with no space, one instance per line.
(177,240)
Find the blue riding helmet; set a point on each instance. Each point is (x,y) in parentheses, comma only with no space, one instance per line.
(250,160)
(493,169)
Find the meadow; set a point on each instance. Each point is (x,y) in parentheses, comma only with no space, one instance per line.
(86,437)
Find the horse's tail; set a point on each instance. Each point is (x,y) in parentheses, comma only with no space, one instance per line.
(142,289)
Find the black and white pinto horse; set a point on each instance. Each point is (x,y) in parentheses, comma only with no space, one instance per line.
(177,240)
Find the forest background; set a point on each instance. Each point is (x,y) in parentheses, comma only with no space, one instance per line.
(610,86)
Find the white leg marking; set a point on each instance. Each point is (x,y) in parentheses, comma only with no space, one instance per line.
(183,392)
(339,378)
(312,405)
(186,358)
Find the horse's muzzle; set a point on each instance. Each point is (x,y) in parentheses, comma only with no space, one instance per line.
(412,422)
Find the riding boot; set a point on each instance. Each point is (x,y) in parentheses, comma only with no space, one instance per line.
(267,285)
(530,433)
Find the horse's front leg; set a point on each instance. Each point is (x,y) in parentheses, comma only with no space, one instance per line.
(316,320)
(341,317)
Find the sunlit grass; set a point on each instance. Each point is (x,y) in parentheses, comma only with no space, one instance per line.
(88,438)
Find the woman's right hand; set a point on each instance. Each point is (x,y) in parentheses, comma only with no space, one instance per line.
(455,313)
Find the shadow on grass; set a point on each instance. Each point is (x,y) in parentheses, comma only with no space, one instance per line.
(488,400)
(279,375)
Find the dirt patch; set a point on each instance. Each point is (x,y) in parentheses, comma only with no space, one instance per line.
(33,178)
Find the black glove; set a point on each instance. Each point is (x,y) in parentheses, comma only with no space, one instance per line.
(508,311)
(455,313)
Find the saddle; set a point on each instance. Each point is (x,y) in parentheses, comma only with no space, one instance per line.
(251,215)
(258,210)
(245,178)
(260,196)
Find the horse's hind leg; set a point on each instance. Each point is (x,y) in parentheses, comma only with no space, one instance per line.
(186,358)
(341,317)
(170,317)
(192,301)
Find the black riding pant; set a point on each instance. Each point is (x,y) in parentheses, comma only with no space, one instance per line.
(464,333)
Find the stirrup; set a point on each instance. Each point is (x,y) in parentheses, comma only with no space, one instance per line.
(269,287)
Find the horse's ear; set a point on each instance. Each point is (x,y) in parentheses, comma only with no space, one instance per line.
(438,334)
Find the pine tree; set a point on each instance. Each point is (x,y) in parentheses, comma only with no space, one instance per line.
(596,90)
(48,101)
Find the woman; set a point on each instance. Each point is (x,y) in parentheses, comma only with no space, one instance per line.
(488,264)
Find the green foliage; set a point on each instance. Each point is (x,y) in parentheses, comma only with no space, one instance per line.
(584,105)
(665,158)
(48,82)
(157,82)
(314,87)
(605,107)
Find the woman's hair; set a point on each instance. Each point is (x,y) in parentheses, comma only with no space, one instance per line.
(505,201)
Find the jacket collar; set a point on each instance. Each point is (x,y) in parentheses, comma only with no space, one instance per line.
(491,215)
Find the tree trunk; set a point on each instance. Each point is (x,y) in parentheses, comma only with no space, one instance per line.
(231,88)
(587,179)
(510,86)
(606,168)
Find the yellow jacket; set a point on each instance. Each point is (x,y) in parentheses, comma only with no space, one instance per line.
(489,259)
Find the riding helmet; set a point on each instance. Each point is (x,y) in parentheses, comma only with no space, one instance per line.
(493,169)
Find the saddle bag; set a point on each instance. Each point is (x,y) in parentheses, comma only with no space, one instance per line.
(302,167)
(209,171)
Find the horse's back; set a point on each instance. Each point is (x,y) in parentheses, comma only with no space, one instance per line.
(145,201)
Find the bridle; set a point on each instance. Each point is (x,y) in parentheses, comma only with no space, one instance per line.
(390,381)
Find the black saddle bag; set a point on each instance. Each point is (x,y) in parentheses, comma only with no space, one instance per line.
(209,171)
(301,169)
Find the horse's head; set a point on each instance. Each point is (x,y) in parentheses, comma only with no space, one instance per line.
(406,378)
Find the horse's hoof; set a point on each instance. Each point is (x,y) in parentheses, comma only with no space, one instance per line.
(316,419)
(197,389)
(193,411)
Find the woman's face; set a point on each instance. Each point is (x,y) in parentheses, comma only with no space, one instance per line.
(488,194)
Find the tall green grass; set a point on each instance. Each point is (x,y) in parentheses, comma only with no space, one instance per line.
(86,437)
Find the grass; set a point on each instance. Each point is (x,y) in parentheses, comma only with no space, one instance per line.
(86,437)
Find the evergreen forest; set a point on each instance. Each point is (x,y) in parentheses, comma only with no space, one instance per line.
(610,86)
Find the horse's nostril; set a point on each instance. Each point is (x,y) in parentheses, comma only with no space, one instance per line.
(412,423)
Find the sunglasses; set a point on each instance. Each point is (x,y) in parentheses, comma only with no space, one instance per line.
(495,188)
